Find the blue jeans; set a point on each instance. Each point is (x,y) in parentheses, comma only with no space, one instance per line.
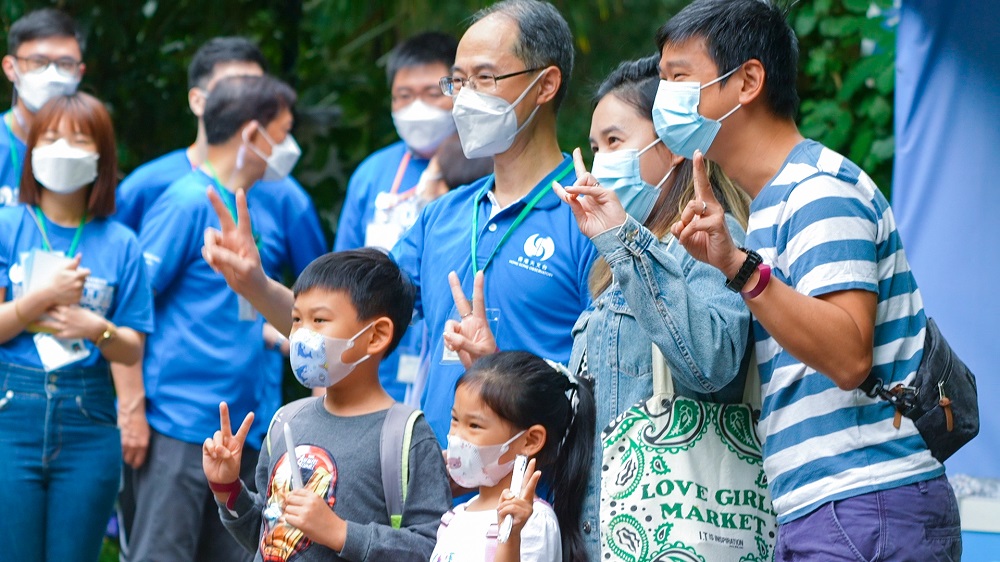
(60,463)
(914,523)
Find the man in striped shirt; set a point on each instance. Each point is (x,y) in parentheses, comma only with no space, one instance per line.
(828,283)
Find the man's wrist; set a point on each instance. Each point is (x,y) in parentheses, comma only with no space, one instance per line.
(736,282)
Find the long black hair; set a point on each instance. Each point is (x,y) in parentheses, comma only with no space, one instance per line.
(526,390)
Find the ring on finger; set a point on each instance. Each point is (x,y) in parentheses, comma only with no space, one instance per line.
(466,315)
(704,207)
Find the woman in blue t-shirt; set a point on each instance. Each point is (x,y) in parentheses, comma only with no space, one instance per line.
(74,296)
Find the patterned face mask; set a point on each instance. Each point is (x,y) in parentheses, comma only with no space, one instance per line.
(472,466)
(317,360)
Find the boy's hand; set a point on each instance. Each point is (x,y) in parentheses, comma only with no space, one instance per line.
(307,512)
(471,336)
(521,506)
(221,454)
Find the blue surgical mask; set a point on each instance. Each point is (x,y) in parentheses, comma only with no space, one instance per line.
(619,172)
(676,117)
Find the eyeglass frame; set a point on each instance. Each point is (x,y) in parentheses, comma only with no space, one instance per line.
(34,59)
(448,82)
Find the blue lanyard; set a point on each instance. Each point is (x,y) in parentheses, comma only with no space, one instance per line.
(517,221)
(229,199)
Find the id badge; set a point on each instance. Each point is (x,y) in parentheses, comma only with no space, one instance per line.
(409,366)
(449,357)
(382,236)
(56,353)
(247,312)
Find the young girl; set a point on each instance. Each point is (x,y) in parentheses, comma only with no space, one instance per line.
(74,297)
(507,404)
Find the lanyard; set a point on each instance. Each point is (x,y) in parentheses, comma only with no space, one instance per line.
(517,221)
(14,160)
(400,171)
(229,199)
(40,221)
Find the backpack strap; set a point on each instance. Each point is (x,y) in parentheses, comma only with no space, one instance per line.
(493,534)
(394,455)
(445,520)
(282,417)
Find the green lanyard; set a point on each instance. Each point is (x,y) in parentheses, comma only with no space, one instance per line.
(14,160)
(517,221)
(40,221)
(229,199)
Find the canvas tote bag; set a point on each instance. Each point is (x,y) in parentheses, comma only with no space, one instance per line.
(683,480)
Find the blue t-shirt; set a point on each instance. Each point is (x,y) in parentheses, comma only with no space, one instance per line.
(536,284)
(117,287)
(12,151)
(823,226)
(375,175)
(285,218)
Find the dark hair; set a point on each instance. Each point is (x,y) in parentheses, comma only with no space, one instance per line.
(635,83)
(373,282)
(90,117)
(525,390)
(218,51)
(236,100)
(456,169)
(544,38)
(736,31)
(42,24)
(432,47)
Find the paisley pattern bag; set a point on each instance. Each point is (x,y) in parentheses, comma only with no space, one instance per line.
(683,480)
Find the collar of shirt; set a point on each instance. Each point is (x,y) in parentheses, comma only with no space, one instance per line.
(549,201)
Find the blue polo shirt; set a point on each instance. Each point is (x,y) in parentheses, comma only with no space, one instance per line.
(202,352)
(285,219)
(536,283)
(373,176)
(117,287)
(12,151)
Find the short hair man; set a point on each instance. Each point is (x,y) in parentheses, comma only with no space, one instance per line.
(44,59)
(382,200)
(826,278)
(208,346)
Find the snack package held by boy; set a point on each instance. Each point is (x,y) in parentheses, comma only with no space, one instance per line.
(351,309)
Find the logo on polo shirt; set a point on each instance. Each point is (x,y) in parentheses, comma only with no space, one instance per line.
(539,248)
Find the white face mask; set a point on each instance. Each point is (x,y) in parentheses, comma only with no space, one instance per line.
(36,88)
(283,156)
(472,466)
(487,125)
(62,168)
(423,127)
(619,171)
(317,360)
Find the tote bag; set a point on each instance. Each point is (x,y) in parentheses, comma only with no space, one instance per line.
(683,480)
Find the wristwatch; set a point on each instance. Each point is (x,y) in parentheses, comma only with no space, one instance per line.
(746,270)
(109,332)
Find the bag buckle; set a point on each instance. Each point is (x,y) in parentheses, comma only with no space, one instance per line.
(902,397)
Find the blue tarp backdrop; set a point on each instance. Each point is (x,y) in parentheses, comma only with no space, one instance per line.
(946,190)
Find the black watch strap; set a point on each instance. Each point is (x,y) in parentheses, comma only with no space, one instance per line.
(746,270)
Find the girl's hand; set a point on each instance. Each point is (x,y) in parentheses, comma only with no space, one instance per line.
(521,506)
(221,454)
(309,513)
(67,285)
(74,322)
(599,209)
(471,336)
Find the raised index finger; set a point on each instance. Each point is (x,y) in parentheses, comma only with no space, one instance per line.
(225,219)
(578,164)
(243,214)
(702,187)
(227,429)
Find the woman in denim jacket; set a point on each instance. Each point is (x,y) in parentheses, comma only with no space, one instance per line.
(647,287)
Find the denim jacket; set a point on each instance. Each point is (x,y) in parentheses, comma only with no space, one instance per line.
(660,293)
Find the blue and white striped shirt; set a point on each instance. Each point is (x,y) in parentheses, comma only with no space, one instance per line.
(824,226)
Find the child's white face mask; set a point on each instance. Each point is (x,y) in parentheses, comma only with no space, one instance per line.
(472,466)
(317,360)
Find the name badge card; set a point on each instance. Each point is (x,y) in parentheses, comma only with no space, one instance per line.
(56,353)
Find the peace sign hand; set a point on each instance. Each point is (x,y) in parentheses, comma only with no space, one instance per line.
(702,226)
(221,454)
(520,506)
(471,336)
(232,252)
(599,209)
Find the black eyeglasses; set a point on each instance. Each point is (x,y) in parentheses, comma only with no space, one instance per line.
(64,65)
(450,85)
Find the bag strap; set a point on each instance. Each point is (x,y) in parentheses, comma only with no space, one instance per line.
(282,417)
(751,389)
(394,456)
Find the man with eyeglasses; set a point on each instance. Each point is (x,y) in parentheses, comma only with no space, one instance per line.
(44,60)
(386,192)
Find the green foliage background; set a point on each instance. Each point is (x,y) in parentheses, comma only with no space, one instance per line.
(333,52)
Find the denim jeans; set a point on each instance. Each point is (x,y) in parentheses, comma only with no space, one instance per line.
(914,523)
(60,463)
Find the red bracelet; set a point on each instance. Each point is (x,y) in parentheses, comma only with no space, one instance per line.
(763,278)
(233,489)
